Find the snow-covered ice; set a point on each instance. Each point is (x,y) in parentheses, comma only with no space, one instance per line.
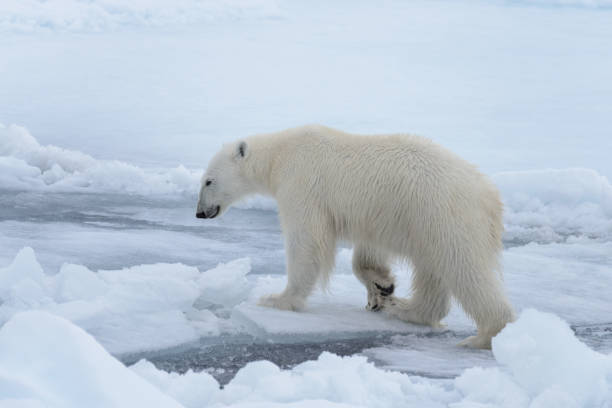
(45,361)
(160,306)
(539,363)
(509,85)
(140,308)
(151,307)
(550,204)
(25,164)
(110,110)
(104,15)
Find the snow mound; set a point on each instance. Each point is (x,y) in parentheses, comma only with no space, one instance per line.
(109,15)
(531,349)
(152,307)
(25,164)
(47,361)
(332,379)
(193,390)
(140,308)
(542,365)
(548,205)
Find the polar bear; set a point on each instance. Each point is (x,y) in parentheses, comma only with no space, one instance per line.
(392,196)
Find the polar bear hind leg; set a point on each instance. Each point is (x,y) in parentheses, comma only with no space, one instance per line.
(430,301)
(485,302)
(371,268)
(476,288)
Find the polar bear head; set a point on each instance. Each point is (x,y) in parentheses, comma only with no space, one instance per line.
(225,181)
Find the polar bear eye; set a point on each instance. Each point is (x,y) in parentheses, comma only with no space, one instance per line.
(208,182)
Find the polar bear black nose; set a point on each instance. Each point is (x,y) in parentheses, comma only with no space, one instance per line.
(201,215)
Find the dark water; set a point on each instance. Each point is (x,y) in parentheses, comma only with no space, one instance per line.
(224,359)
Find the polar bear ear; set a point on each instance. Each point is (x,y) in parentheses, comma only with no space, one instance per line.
(241,150)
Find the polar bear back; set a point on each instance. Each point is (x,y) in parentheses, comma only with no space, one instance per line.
(402,191)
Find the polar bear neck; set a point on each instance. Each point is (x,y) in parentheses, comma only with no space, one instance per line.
(259,163)
(270,156)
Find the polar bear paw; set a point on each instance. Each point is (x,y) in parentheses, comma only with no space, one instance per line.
(410,311)
(281,301)
(476,342)
(379,293)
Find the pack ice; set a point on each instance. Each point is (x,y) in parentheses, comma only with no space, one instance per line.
(61,327)
(541,364)
(538,360)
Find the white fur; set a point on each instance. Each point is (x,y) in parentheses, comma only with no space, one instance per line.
(392,196)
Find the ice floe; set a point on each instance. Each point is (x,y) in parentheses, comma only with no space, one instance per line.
(539,363)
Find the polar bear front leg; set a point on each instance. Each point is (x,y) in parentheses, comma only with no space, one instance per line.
(309,257)
(370,267)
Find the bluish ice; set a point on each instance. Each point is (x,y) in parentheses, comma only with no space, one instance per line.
(118,108)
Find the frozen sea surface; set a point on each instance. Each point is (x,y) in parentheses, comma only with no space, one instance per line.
(219,328)
(131,264)
(107,231)
(427,355)
(541,363)
(109,112)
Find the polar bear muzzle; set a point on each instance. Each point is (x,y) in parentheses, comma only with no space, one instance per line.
(210,212)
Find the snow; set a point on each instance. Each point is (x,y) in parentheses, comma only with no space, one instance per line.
(546,205)
(120,105)
(566,279)
(543,365)
(28,165)
(336,311)
(540,363)
(352,381)
(27,16)
(571,280)
(151,307)
(191,389)
(23,267)
(157,306)
(105,15)
(472,75)
(47,361)
(140,308)
(531,349)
